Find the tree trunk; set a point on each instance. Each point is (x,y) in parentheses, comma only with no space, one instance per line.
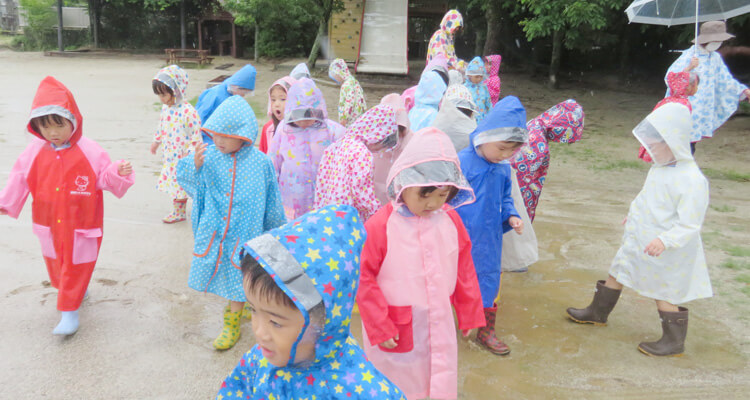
(94,21)
(255,46)
(59,25)
(554,65)
(624,51)
(315,51)
(183,38)
(491,41)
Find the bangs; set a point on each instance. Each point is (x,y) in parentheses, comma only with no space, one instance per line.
(160,87)
(46,120)
(257,279)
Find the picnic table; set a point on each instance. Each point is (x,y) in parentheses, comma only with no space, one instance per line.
(174,56)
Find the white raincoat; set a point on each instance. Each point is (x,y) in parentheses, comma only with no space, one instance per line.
(671,206)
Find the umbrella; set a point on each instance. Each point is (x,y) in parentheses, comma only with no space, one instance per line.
(679,12)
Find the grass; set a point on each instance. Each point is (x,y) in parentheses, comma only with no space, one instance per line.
(620,165)
(735,264)
(738,251)
(727,175)
(743,279)
(723,208)
(746,290)
(193,101)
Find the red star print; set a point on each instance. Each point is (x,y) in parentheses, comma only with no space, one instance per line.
(291,238)
(329,288)
(341,214)
(310,380)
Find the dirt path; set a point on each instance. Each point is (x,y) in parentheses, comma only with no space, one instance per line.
(144,334)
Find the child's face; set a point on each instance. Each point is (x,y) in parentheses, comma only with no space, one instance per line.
(475,79)
(424,205)
(278,102)
(57,134)
(496,152)
(304,123)
(692,89)
(276,328)
(227,145)
(166,98)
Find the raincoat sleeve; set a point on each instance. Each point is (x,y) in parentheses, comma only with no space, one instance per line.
(238,381)
(466,297)
(275,216)
(189,177)
(364,188)
(107,177)
(192,129)
(263,142)
(273,148)
(733,86)
(691,209)
(159,135)
(373,307)
(17,190)
(205,105)
(508,207)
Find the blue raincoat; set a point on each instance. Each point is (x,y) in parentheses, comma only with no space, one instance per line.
(312,259)
(235,198)
(212,97)
(427,98)
(487,217)
(479,91)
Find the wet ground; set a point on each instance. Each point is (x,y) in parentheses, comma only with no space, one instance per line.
(144,334)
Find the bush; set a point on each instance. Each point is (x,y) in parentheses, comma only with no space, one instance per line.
(40,33)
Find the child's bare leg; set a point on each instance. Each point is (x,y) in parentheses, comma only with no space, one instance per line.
(612,283)
(235,306)
(662,305)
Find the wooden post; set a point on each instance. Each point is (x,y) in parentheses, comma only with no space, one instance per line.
(59,26)
(183,40)
(200,34)
(234,40)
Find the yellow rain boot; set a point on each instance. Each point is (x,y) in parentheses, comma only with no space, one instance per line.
(246,312)
(231,332)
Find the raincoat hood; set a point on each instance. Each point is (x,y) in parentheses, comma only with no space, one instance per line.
(494,61)
(300,71)
(315,259)
(52,97)
(177,80)
(397,103)
(678,83)
(670,124)
(505,122)
(452,20)
(305,101)
(476,67)
(233,118)
(429,160)
(374,126)
(430,89)
(438,64)
(455,77)
(284,83)
(244,78)
(457,125)
(562,123)
(339,71)
(459,96)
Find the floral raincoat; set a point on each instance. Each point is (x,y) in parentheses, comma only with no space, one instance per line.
(352,97)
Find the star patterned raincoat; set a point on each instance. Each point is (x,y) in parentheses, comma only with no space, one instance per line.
(235,198)
(414,269)
(313,259)
(671,206)
(66,183)
(441,42)
(346,170)
(179,130)
(296,152)
(351,97)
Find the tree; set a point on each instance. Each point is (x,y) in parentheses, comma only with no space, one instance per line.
(324,9)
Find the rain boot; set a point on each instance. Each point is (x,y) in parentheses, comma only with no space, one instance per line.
(598,311)
(674,330)
(178,214)
(231,332)
(486,334)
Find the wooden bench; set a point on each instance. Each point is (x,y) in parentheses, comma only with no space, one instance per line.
(174,56)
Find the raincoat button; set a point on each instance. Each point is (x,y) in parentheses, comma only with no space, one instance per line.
(58,221)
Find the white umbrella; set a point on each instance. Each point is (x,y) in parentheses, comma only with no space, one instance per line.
(679,12)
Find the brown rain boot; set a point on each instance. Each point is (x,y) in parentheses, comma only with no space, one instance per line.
(674,330)
(598,311)
(486,335)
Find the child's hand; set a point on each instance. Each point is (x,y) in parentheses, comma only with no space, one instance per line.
(625,220)
(655,248)
(517,224)
(747,95)
(390,343)
(124,168)
(154,147)
(466,332)
(3,211)
(692,65)
(200,157)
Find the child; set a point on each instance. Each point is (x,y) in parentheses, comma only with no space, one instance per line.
(438,64)
(240,83)
(236,198)
(277,94)
(661,255)
(383,160)
(300,281)
(352,97)
(493,81)
(300,71)
(67,211)
(416,263)
(346,170)
(298,144)
(484,165)
(680,86)
(430,90)
(456,115)
(475,74)
(179,130)
(562,123)
(442,41)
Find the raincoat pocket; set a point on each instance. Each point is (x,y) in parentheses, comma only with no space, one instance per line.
(86,245)
(44,233)
(401,317)
(208,247)
(234,254)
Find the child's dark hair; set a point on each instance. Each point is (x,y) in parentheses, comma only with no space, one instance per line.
(257,278)
(425,190)
(45,120)
(160,87)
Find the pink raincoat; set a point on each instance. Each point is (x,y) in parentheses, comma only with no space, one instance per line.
(441,41)
(346,170)
(493,82)
(413,269)
(383,160)
(296,152)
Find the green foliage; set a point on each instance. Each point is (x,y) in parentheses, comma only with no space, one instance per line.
(735,264)
(574,17)
(40,18)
